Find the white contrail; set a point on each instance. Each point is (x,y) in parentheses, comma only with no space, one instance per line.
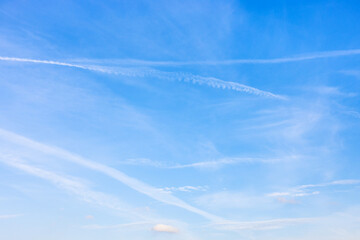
(297,58)
(133,183)
(12,59)
(139,72)
(215,83)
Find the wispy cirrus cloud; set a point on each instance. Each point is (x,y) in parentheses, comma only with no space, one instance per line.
(227,161)
(71,185)
(214,164)
(215,83)
(296,58)
(307,190)
(261,225)
(337,182)
(133,183)
(82,191)
(28,60)
(185,189)
(293,194)
(143,72)
(79,189)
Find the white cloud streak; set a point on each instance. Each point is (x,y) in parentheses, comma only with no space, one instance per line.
(185,189)
(215,83)
(218,163)
(178,76)
(293,194)
(13,59)
(296,58)
(227,161)
(261,225)
(337,182)
(133,183)
(303,190)
(101,199)
(72,186)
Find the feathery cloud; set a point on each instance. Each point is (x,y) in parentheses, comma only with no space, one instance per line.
(133,183)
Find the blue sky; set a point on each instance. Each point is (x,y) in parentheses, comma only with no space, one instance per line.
(183,120)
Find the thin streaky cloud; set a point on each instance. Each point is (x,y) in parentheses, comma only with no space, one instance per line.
(296,58)
(225,161)
(72,186)
(292,194)
(337,182)
(13,59)
(96,197)
(140,72)
(261,225)
(185,189)
(133,183)
(213,82)
(303,190)
(205,164)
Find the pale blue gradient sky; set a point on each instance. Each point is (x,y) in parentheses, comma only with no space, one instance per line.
(217,119)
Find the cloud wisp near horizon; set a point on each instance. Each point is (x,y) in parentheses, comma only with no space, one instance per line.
(133,183)
(76,187)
